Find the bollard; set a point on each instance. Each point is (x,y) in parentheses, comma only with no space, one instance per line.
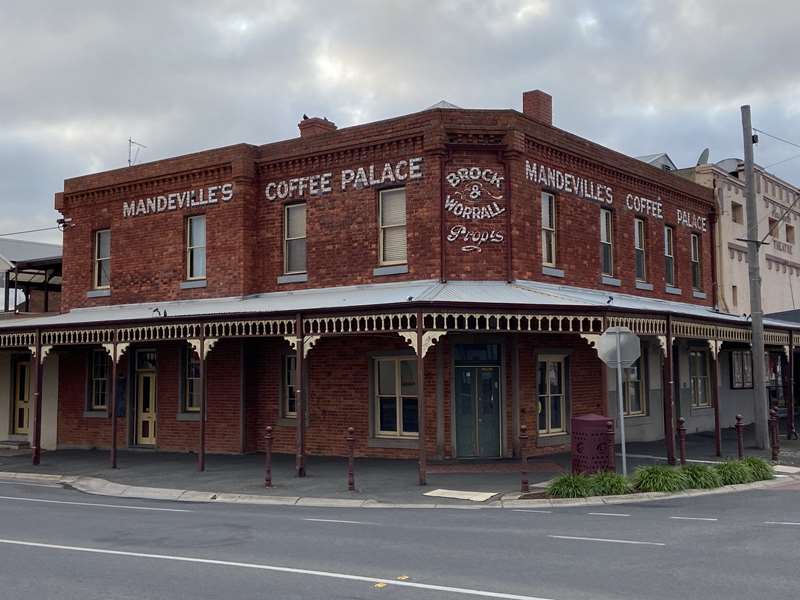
(523,457)
(351,480)
(268,465)
(739,437)
(773,434)
(612,463)
(682,439)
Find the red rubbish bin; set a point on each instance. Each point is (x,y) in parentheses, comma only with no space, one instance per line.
(592,444)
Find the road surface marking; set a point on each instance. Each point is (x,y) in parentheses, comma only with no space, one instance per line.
(278,569)
(694,518)
(94,504)
(608,514)
(50,485)
(780,523)
(530,510)
(340,521)
(590,539)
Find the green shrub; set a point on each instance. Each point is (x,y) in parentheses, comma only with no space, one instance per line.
(570,486)
(760,468)
(734,471)
(607,483)
(658,478)
(702,477)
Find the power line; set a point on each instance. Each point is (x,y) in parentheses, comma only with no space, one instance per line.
(775,137)
(29,231)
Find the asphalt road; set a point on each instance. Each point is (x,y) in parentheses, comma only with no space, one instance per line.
(58,543)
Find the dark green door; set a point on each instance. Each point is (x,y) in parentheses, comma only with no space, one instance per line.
(477,397)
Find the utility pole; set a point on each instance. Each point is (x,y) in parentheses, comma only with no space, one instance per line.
(761,409)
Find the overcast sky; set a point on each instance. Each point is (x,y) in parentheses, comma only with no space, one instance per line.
(81,77)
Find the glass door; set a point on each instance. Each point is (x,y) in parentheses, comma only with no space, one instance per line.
(477,398)
(146,409)
(22,387)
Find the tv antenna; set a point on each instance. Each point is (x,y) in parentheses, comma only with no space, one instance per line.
(132,156)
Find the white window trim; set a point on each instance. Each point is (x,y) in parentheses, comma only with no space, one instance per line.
(96,381)
(286,385)
(190,248)
(287,239)
(669,252)
(551,230)
(382,228)
(694,243)
(185,408)
(549,432)
(641,246)
(610,241)
(98,260)
(705,378)
(399,434)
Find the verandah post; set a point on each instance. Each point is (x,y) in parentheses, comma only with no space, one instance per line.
(669,431)
(715,397)
(300,405)
(36,353)
(113,407)
(423,455)
(201,455)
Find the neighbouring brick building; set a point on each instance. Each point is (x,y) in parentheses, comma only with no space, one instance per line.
(443,275)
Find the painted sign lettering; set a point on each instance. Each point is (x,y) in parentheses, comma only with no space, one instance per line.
(476,195)
(691,220)
(178,201)
(568,182)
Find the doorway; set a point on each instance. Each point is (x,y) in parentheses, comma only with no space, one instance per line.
(477,401)
(22,396)
(146,400)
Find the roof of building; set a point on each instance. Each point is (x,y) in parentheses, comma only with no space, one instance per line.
(657,160)
(443,104)
(13,251)
(527,294)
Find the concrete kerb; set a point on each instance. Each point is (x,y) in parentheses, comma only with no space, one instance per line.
(103,487)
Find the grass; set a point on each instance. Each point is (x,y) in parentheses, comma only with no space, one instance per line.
(702,477)
(570,486)
(607,483)
(760,468)
(733,472)
(658,478)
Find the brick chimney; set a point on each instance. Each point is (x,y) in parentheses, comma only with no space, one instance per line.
(311,126)
(538,106)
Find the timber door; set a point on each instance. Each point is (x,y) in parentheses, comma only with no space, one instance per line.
(22,388)
(477,399)
(146,408)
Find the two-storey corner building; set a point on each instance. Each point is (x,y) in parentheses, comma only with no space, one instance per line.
(434,280)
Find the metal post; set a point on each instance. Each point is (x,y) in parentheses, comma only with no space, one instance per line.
(201,454)
(669,404)
(791,432)
(268,465)
(523,457)
(300,404)
(351,448)
(7,282)
(46,290)
(621,409)
(774,437)
(612,463)
(37,401)
(682,439)
(739,437)
(754,272)
(113,408)
(422,420)
(16,286)
(715,403)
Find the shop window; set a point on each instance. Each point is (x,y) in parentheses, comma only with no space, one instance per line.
(669,256)
(196,247)
(99,370)
(548,229)
(190,401)
(607,241)
(395,404)
(698,378)
(697,275)
(288,395)
(741,369)
(102,259)
(634,386)
(639,234)
(552,397)
(392,221)
(737,213)
(294,239)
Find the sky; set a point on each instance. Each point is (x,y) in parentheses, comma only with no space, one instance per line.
(80,78)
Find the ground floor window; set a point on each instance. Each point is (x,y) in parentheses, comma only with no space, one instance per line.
(633,390)
(98,380)
(395,408)
(551,395)
(288,395)
(741,369)
(698,376)
(191,382)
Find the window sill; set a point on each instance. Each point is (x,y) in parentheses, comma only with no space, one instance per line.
(98,294)
(95,414)
(188,416)
(552,439)
(293,278)
(286,422)
(699,295)
(194,284)
(379,442)
(608,280)
(390,270)
(637,416)
(553,272)
(642,285)
(673,290)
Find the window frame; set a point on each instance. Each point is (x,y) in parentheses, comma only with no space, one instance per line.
(640,245)
(98,259)
(737,213)
(696,379)
(643,362)
(187,361)
(697,268)
(98,384)
(286,238)
(740,356)
(669,255)
(549,430)
(607,218)
(288,384)
(382,228)
(399,432)
(190,248)
(549,233)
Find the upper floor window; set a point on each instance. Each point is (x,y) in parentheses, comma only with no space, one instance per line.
(396,413)
(196,247)
(669,256)
(790,234)
(639,245)
(696,271)
(294,239)
(288,396)
(191,382)
(392,220)
(737,213)
(607,241)
(102,259)
(548,229)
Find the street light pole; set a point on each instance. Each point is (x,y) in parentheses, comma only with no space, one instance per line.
(754,271)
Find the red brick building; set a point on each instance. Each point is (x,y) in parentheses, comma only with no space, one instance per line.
(441,276)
